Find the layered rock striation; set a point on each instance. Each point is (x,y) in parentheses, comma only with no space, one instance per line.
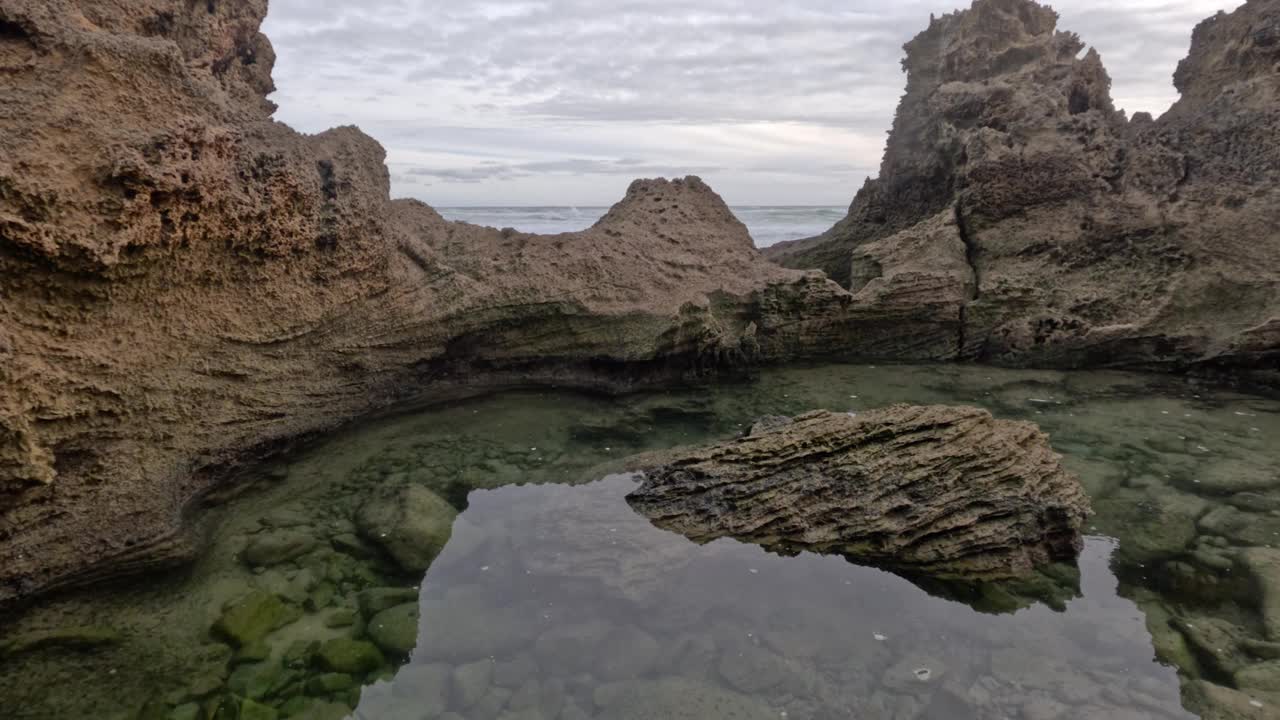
(1048,229)
(948,492)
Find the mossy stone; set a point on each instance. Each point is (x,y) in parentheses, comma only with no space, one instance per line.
(342,617)
(250,710)
(153,710)
(254,680)
(253,616)
(321,596)
(395,630)
(329,683)
(256,651)
(276,546)
(300,653)
(411,523)
(344,655)
(186,711)
(375,600)
(1260,676)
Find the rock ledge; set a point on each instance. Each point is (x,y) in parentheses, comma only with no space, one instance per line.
(946,491)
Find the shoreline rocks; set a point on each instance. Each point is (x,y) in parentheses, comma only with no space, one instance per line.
(948,492)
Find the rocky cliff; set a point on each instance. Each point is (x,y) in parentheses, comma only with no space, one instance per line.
(1057,231)
(186,284)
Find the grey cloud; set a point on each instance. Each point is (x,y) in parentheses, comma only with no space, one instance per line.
(489,170)
(490,90)
(677,61)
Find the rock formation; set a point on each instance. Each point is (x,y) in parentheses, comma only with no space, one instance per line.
(186,284)
(1017,207)
(945,491)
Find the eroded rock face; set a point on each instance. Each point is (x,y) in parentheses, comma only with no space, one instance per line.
(1092,239)
(186,284)
(945,491)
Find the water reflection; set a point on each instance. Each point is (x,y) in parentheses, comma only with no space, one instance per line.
(596,613)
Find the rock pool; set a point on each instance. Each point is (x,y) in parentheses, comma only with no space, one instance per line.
(321,593)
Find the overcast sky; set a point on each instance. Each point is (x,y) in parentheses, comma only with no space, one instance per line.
(564,102)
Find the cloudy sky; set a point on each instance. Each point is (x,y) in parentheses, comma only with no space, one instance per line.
(563,102)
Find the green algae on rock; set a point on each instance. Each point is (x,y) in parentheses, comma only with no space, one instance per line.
(251,617)
(411,523)
(345,655)
(395,630)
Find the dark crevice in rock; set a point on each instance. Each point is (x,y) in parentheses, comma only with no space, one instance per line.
(971,258)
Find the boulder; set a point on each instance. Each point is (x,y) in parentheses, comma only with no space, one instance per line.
(374,600)
(352,657)
(949,492)
(411,523)
(395,630)
(251,617)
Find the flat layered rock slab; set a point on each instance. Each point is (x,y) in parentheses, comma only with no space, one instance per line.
(950,492)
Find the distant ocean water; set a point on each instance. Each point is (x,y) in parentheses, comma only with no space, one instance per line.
(768,224)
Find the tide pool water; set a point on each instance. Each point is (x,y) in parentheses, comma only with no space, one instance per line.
(552,600)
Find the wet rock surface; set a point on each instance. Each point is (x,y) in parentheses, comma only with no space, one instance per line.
(944,491)
(1061,232)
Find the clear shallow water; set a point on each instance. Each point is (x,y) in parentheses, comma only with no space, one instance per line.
(768,225)
(552,599)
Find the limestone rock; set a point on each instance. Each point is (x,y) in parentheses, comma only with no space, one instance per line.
(945,491)
(1090,238)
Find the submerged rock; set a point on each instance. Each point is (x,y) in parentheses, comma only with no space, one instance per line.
(353,657)
(277,546)
(250,618)
(946,491)
(412,524)
(395,630)
(75,638)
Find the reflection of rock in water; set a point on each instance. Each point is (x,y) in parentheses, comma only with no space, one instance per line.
(515,625)
(947,492)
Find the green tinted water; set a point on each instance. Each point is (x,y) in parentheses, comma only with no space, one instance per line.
(551,599)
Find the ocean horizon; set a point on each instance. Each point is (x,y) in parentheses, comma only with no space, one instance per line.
(768,224)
